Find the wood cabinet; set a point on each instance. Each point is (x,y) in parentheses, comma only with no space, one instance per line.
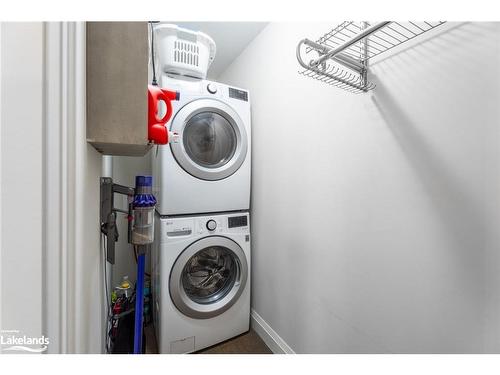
(117,79)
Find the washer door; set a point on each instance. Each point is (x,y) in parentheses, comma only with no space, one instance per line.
(208,277)
(213,141)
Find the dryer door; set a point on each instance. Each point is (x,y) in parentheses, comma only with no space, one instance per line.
(212,139)
(208,277)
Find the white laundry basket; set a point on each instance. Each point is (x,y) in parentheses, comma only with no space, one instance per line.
(184,52)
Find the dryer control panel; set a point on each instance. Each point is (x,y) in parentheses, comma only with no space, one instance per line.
(238,94)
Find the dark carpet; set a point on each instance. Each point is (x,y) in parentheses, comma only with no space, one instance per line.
(247,343)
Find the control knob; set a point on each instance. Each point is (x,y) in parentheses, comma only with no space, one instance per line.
(211,225)
(212,89)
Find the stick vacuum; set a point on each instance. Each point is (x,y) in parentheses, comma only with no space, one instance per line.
(142,237)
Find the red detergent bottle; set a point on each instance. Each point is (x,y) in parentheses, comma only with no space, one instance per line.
(157,130)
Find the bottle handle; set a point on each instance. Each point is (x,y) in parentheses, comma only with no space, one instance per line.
(157,131)
(167,96)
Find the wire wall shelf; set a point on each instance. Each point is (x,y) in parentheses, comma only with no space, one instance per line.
(340,57)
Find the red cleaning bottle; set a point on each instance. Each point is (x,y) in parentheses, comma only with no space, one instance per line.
(157,131)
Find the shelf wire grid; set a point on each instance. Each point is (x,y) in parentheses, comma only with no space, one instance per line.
(378,42)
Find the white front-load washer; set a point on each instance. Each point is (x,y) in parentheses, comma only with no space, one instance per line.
(208,169)
(200,280)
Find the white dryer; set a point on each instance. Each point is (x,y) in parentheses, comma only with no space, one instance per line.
(200,280)
(208,169)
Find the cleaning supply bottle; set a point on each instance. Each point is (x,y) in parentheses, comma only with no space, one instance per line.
(124,288)
(157,130)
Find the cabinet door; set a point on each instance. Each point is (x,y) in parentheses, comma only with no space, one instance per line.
(117,79)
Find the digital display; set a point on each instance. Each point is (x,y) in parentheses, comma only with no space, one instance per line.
(238,94)
(237,221)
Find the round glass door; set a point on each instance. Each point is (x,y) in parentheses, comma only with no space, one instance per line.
(213,141)
(209,139)
(208,277)
(210,274)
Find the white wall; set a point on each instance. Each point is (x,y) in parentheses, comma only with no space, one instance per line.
(375,217)
(82,283)
(50,260)
(21,177)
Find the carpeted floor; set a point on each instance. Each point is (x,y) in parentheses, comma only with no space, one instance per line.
(151,345)
(247,343)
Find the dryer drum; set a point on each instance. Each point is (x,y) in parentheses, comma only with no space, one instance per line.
(209,139)
(213,143)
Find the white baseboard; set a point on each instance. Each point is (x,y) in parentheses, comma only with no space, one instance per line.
(269,335)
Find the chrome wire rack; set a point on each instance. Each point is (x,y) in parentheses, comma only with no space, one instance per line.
(340,57)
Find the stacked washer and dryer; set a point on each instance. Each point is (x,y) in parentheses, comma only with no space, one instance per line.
(201,255)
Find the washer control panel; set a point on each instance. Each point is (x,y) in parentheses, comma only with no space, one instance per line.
(206,225)
(179,228)
(237,221)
